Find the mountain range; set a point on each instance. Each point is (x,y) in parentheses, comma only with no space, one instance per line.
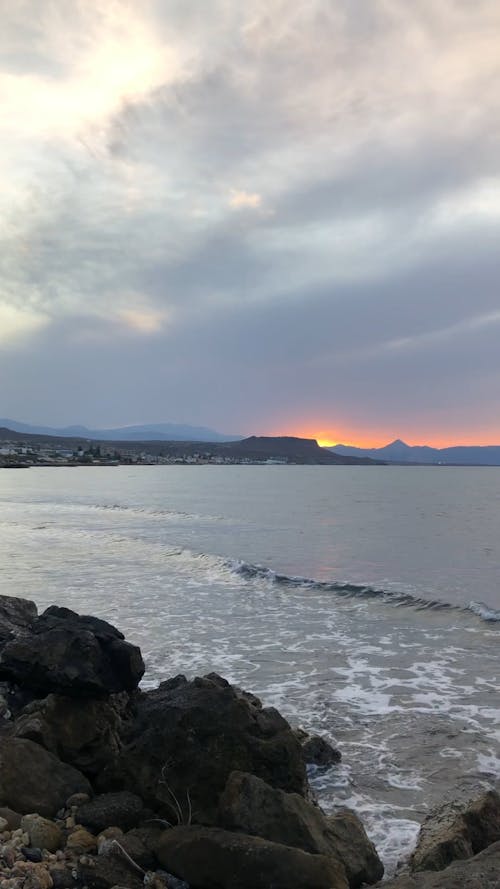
(399,452)
(148,432)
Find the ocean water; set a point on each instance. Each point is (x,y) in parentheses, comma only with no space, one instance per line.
(363,602)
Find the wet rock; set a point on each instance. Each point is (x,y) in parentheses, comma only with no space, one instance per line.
(457,830)
(316,750)
(217,859)
(32,854)
(42,833)
(73,655)
(480,872)
(83,733)
(250,805)
(16,617)
(33,780)
(188,736)
(122,809)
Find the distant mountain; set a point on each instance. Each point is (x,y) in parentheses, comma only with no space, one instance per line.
(399,452)
(295,450)
(148,432)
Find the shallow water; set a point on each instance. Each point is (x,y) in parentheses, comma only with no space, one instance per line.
(339,595)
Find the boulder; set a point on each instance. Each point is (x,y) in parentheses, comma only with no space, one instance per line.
(73,655)
(316,750)
(457,830)
(187,737)
(211,858)
(480,872)
(107,871)
(16,617)
(34,780)
(84,733)
(250,805)
(121,809)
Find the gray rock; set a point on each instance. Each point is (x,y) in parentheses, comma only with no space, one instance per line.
(250,805)
(316,750)
(16,617)
(457,830)
(480,872)
(121,809)
(217,859)
(33,780)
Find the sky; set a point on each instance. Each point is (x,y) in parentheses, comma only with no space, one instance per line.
(270,217)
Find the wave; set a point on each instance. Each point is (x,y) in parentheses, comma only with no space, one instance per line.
(359,591)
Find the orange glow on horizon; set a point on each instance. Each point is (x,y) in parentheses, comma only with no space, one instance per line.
(328,438)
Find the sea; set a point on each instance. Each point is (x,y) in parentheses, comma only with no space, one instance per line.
(363,602)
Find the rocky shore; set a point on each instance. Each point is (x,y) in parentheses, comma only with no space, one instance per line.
(192,784)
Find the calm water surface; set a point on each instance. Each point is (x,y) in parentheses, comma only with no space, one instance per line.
(363,602)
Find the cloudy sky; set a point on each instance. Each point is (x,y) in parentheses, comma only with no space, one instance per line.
(263,216)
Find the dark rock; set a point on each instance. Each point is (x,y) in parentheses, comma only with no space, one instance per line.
(73,655)
(62,877)
(250,805)
(16,617)
(186,739)
(12,818)
(480,872)
(84,733)
(317,750)
(107,871)
(34,780)
(211,858)
(457,830)
(32,854)
(121,809)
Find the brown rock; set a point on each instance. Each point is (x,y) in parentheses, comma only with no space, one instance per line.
(33,780)
(480,872)
(12,818)
(81,841)
(457,830)
(43,834)
(217,859)
(252,806)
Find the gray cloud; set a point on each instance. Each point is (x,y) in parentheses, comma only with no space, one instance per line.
(287,217)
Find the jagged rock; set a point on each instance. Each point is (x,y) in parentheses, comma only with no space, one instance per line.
(457,830)
(213,858)
(316,750)
(188,736)
(84,733)
(43,834)
(480,872)
(121,809)
(250,805)
(34,780)
(73,655)
(16,617)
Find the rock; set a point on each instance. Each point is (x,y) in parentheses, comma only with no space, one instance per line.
(141,844)
(33,875)
(250,805)
(42,833)
(33,780)
(32,854)
(16,617)
(83,733)
(107,871)
(457,830)
(212,858)
(77,799)
(62,877)
(81,842)
(317,750)
(122,809)
(480,872)
(186,739)
(12,818)
(73,655)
